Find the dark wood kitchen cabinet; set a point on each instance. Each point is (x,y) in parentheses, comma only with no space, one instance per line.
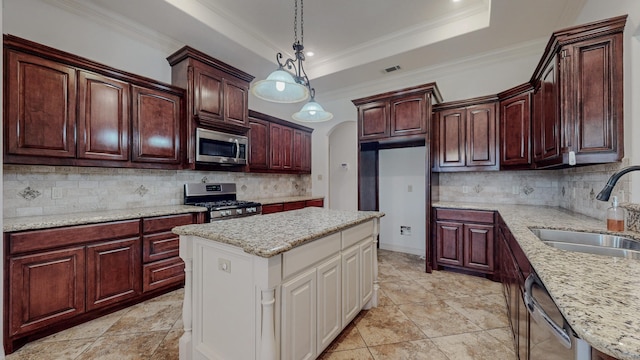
(113,272)
(515,127)
(465,239)
(278,146)
(156,126)
(465,135)
(61,277)
(578,101)
(514,268)
(62,109)
(291,205)
(217,95)
(395,115)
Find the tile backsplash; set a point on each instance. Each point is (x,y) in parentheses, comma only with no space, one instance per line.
(48,190)
(572,188)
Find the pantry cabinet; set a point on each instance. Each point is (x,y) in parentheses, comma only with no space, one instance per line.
(61,109)
(278,146)
(465,239)
(465,135)
(396,115)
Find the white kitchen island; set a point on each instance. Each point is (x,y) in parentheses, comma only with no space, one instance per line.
(277,286)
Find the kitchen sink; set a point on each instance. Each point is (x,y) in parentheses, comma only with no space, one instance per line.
(592,243)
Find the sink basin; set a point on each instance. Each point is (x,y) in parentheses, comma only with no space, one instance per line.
(592,243)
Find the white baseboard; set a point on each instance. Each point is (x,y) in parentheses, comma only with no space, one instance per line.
(402,249)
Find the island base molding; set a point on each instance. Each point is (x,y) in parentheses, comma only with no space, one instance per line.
(288,306)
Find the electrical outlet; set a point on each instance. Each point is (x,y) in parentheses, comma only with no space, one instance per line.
(405,230)
(224,265)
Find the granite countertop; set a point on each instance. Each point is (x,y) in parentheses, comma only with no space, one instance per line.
(278,200)
(272,234)
(51,221)
(598,295)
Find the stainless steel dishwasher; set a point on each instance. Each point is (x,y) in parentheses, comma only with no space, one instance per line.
(550,337)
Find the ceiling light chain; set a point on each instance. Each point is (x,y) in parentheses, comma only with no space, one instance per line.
(283,86)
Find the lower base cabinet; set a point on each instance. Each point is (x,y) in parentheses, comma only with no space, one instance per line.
(61,277)
(291,205)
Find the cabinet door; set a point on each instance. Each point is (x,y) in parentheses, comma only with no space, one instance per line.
(329,302)
(287,148)
(515,130)
(366,271)
(451,138)
(272,208)
(103,118)
(299,317)
(350,284)
(163,273)
(156,126)
(113,272)
(594,80)
(236,97)
(40,107)
(478,247)
(449,238)
(45,288)
(314,202)
(546,118)
(306,153)
(208,96)
(373,120)
(276,146)
(297,149)
(259,142)
(481,136)
(408,115)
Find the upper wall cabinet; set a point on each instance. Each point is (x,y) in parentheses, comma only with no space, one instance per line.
(397,115)
(465,135)
(217,94)
(515,127)
(278,146)
(578,97)
(61,109)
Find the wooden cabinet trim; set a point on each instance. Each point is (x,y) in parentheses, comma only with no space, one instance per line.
(478,216)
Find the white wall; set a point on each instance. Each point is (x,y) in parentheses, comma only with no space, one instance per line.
(402,199)
(343,166)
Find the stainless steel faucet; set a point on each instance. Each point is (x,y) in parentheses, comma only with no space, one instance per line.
(606,191)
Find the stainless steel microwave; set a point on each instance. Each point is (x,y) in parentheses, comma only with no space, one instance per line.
(214,147)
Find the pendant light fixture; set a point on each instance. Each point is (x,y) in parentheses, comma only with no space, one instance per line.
(290,83)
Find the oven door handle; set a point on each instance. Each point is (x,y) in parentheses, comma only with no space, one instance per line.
(539,314)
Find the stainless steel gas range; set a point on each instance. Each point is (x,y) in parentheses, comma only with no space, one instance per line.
(220,199)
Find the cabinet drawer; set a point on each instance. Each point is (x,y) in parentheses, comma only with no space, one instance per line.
(315,202)
(272,208)
(54,238)
(295,205)
(354,234)
(162,274)
(160,246)
(465,215)
(164,223)
(303,256)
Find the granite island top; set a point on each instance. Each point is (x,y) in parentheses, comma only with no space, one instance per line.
(272,234)
(51,221)
(598,295)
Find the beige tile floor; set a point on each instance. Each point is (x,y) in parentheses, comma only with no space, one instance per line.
(438,316)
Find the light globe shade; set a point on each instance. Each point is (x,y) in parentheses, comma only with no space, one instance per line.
(280,87)
(312,112)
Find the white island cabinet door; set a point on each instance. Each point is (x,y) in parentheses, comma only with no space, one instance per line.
(367,263)
(298,340)
(350,284)
(329,302)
